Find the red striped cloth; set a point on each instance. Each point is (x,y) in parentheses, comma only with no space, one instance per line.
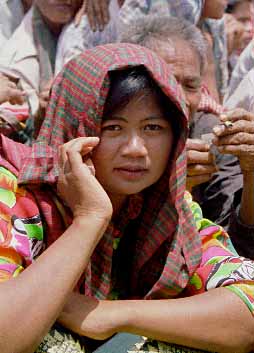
(167,245)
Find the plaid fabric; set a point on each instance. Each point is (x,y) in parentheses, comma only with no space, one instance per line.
(167,248)
(208,104)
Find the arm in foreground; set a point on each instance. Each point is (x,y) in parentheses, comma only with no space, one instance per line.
(210,318)
(31,302)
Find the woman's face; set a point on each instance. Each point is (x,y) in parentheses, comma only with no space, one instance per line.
(214,9)
(134,149)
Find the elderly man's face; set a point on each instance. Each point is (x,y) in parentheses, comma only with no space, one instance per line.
(186,67)
(58,12)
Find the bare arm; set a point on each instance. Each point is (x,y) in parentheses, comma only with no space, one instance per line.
(215,321)
(30,303)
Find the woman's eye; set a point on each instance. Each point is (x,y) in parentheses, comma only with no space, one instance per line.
(153,127)
(111,128)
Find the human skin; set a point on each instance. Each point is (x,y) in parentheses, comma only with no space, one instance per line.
(186,67)
(134,148)
(27,4)
(92,211)
(177,321)
(56,13)
(242,13)
(214,9)
(238,140)
(10,92)
(197,321)
(97,12)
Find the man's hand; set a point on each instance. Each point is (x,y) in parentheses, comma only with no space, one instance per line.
(200,163)
(236,136)
(97,12)
(9,91)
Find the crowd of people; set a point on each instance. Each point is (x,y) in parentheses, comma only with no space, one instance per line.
(126,176)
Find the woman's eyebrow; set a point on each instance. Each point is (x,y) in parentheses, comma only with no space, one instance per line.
(115,117)
(153,117)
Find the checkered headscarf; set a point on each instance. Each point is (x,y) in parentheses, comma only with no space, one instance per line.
(167,247)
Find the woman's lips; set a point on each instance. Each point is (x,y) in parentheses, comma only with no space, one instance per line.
(131,173)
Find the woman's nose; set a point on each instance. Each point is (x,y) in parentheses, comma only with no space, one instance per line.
(135,147)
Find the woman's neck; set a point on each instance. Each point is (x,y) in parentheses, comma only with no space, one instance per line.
(117,203)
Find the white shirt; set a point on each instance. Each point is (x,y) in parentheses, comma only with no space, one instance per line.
(11,15)
(243,96)
(19,60)
(74,40)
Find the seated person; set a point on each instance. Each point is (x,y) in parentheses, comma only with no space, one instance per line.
(74,40)
(29,55)
(238,139)
(122,119)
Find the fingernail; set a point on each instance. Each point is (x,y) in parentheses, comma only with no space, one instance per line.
(223,116)
(218,129)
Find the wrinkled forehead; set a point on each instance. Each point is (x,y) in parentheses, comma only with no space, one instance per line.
(182,58)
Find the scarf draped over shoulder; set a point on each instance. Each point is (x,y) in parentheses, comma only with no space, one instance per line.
(167,245)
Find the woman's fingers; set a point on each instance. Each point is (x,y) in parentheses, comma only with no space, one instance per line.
(82,145)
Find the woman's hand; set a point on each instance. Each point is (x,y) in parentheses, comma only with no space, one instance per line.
(200,163)
(97,12)
(77,184)
(236,136)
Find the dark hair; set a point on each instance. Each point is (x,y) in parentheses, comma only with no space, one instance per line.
(126,84)
(232,4)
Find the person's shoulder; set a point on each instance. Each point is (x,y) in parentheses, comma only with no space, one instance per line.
(242,97)
(21,43)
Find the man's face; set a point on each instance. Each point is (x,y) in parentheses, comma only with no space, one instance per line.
(58,12)
(242,13)
(186,67)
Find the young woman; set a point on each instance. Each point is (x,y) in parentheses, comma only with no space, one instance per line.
(118,113)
